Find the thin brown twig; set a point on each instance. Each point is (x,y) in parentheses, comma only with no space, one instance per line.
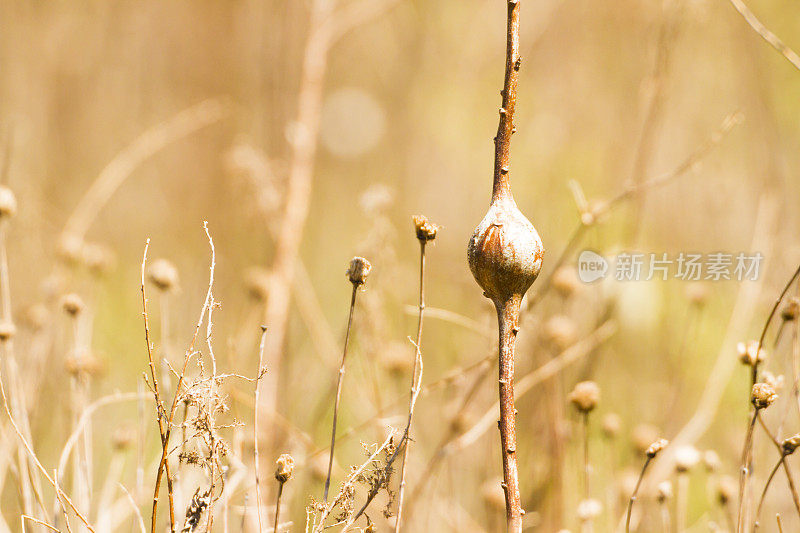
(764,492)
(416,382)
(277,507)
(255,427)
(36,521)
(635,494)
(339,383)
(745,467)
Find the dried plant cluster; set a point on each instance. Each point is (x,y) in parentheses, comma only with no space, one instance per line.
(293,408)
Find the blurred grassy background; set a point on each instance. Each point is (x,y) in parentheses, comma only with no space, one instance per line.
(410,105)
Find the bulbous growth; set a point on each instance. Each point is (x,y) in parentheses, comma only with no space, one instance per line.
(505,252)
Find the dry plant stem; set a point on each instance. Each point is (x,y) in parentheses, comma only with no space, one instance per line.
(764,492)
(416,379)
(36,521)
(765,34)
(778,300)
(277,508)
(339,392)
(586,455)
(748,441)
(163,464)
(255,431)
(508,319)
(786,469)
(162,424)
(635,495)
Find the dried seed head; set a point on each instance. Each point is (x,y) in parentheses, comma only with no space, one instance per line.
(7,330)
(711,461)
(72,304)
(505,252)
(376,199)
(70,248)
(565,281)
(36,316)
(750,354)
(560,331)
(426,230)
(763,395)
(98,258)
(656,447)
(492,494)
(686,458)
(395,358)
(256,280)
(791,309)
(726,490)
(358,271)
(643,435)
(163,274)
(8,203)
(285,466)
(123,437)
(664,491)
(83,365)
(585,396)
(589,509)
(612,423)
(790,444)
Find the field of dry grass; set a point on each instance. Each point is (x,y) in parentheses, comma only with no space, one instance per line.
(235,291)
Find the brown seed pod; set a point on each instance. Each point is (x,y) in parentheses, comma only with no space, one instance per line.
(284,468)
(8,203)
(163,274)
(7,330)
(358,270)
(72,304)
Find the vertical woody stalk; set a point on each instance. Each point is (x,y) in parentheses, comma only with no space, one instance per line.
(505,256)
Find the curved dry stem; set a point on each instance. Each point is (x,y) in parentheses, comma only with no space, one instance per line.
(748,441)
(764,492)
(635,495)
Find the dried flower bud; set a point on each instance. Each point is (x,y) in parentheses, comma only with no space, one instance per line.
(791,309)
(8,203)
(565,281)
(70,248)
(83,365)
(36,316)
(426,230)
(664,491)
(285,466)
(589,509)
(585,396)
(505,252)
(98,258)
(655,448)
(697,293)
(750,354)
(560,331)
(163,274)
(123,437)
(72,304)
(7,330)
(711,461)
(611,425)
(395,359)
(762,395)
(790,444)
(358,271)
(686,458)
(257,280)
(726,490)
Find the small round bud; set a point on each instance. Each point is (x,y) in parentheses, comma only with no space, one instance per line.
(762,395)
(36,316)
(72,304)
(565,281)
(7,330)
(395,359)
(560,331)
(358,271)
(750,354)
(697,293)
(585,396)
(426,230)
(257,280)
(589,509)
(8,203)
(686,458)
(790,444)
(122,438)
(612,423)
(726,490)
(99,259)
(791,309)
(711,461)
(655,448)
(285,466)
(664,491)
(163,274)
(70,248)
